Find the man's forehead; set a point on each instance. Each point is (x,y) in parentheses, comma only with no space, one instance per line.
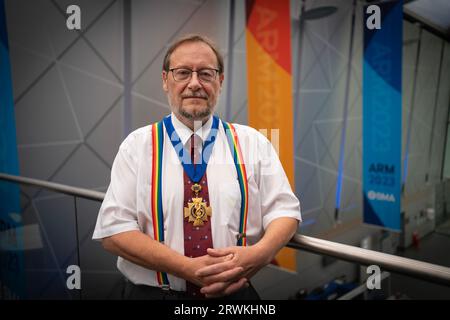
(194,53)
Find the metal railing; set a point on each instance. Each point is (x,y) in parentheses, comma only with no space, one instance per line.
(73,191)
(417,269)
(414,268)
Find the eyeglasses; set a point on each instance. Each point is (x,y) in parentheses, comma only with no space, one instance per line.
(184,74)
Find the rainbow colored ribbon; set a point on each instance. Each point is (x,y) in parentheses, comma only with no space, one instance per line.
(235,149)
(156,198)
(156,192)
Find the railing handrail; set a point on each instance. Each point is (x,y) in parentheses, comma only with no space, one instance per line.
(415,268)
(73,191)
(418,269)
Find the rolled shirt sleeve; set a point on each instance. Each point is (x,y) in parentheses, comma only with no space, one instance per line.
(277,198)
(118,210)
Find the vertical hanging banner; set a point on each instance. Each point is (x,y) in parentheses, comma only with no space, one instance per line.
(11,242)
(268,36)
(382,114)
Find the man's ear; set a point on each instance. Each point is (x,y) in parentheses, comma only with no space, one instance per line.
(221,77)
(164,80)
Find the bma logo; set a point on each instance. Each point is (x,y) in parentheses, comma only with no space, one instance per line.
(372,195)
(73,22)
(374,20)
(373,281)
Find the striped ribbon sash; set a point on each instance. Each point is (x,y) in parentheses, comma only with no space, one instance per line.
(236,153)
(156,192)
(156,197)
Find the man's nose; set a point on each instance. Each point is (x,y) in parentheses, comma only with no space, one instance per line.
(194,83)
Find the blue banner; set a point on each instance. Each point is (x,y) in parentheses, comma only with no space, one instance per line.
(11,237)
(382,114)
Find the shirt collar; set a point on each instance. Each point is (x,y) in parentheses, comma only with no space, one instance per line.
(185,133)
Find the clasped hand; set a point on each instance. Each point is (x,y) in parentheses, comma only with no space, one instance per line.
(233,268)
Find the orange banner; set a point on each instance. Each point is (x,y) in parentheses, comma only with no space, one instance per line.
(268,36)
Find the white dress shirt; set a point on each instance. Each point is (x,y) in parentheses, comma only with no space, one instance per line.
(127,201)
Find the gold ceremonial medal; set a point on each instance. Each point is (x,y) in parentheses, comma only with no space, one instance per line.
(197,210)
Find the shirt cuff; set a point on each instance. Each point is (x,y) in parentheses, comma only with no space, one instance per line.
(268,218)
(112,230)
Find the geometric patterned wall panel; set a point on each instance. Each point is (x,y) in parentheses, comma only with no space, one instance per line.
(324,66)
(421,120)
(67,92)
(69,106)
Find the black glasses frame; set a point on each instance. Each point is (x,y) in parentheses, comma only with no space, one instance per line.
(192,71)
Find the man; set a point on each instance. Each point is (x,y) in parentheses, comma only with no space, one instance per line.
(180,225)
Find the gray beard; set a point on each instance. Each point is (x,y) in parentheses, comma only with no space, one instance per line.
(196,116)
